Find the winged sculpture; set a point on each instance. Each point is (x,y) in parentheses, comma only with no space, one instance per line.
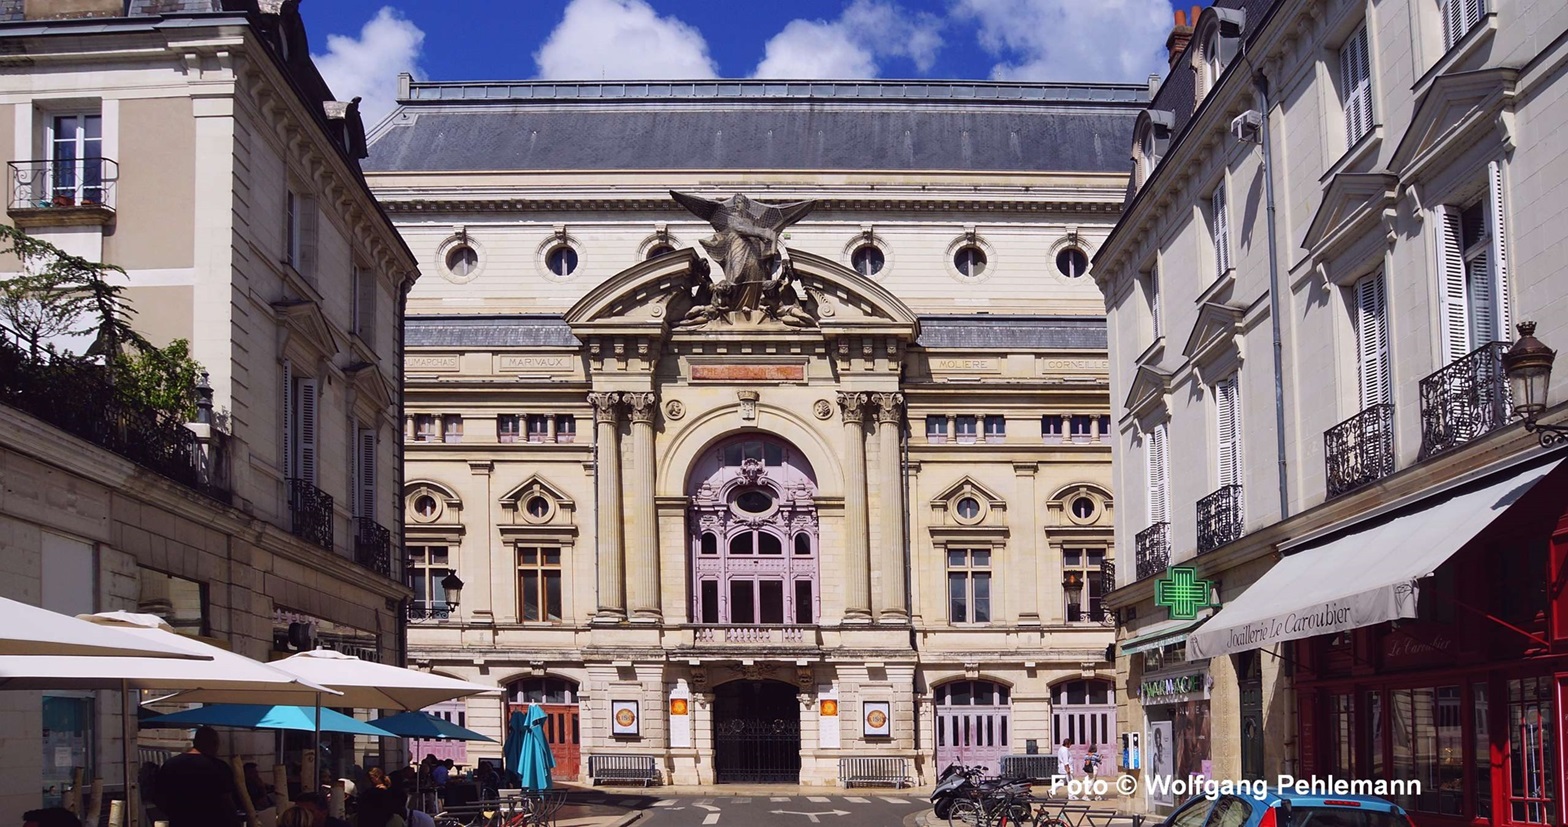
(757,271)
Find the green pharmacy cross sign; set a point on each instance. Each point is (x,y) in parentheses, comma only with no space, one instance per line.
(1183,593)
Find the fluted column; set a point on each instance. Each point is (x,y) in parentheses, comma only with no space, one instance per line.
(890,476)
(611,565)
(642,521)
(857,542)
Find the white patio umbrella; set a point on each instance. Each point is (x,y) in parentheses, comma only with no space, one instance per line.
(31,631)
(359,683)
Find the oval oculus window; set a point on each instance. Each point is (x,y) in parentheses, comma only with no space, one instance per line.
(754,501)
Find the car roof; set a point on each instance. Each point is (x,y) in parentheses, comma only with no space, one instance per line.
(1276,794)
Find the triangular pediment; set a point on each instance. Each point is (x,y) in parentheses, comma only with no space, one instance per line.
(535,486)
(1455,112)
(967,486)
(1352,204)
(1149,389)
(371,385)
(1214,330)
(305,320)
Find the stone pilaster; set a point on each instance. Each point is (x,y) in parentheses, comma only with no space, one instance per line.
(1024,551)
(642,525)
(611,563)
(857,540)
(890,423)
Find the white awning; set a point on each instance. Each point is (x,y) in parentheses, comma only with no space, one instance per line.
(1360,579)
(1159,634)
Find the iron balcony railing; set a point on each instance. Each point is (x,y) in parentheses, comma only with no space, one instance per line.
(1465,400)
(1220,518)
(429,610)
(311,510)
(1093,614)
(1153,552)
(1107,577)
(1359,450)
(373,546)
(63,182)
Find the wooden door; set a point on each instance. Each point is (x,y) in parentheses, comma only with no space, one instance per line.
(973,735)
(564,732)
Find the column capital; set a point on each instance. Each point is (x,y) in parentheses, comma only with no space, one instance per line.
(606,406)
(852,404)
(890,407)
(640,405)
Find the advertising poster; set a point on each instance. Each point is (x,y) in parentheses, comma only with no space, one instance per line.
(1161,755)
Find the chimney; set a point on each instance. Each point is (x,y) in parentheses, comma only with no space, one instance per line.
(1181,34)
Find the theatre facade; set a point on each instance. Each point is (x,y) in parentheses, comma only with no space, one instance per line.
(754,484)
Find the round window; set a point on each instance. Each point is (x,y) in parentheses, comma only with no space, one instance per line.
(1083,508)
(561,260)
(754,501)
(659,249)
(867,260)
(1072,262)
(425,506)
(970,260)
(968,508)
(538,508)
(461,261)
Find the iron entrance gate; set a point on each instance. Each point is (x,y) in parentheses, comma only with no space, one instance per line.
(757,752)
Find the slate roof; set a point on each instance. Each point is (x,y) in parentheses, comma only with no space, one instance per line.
(12,10)
(752,125)
(1002,332)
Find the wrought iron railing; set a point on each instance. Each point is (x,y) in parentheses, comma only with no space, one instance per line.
(1093,614)
(429,610)
(1153,552)
(1359,450)
(1220,518)
(78,397)
(61,183)
(311,511)
(1464,400)
(1107,577)
(373,546)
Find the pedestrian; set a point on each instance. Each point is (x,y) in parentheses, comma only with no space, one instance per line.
(195,788)
(378,807)
(298,816)
(50,817)
(1091,770)
(260,793)
(1064,765)
(316,803)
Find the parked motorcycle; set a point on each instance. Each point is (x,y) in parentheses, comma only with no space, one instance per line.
(950,786)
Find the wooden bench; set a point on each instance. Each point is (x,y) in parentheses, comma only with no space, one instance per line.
(874,772)
(623,769)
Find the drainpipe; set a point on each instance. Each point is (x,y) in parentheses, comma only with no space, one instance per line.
(1262,84)
(398,453)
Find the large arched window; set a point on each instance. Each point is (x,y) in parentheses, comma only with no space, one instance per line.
(754,535)
(542,691)
(1085,711)
(973,723)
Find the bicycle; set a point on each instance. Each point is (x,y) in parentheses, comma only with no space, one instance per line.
(999,807)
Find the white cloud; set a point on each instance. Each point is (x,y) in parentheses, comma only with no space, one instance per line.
(1071,40)
(852,46)
(622,40)
(367,67)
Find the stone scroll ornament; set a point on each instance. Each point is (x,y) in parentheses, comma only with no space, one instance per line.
(758,275)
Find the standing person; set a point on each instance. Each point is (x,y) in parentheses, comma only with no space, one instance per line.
(1091,768)
(260,793)
(195,788)
(316,803)
(51,817)
(379,807)
(1064,764)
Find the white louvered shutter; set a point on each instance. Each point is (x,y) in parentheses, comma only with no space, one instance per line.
(288,419)
(367,474)
(1155,456)
(1451,272)
(1500,281)
(1154,302)
(1221,229)
(1372,340)
(1228,418)
(307,236)
(306,429)
(1355,77)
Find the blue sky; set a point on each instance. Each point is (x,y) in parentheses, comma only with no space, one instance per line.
(361,45)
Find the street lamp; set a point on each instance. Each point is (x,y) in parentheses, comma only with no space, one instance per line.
(453,587)
(1528,365)
(1072,584)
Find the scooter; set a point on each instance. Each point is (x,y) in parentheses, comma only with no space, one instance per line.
(955,783)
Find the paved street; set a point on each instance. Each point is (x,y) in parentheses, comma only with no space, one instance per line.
(876,810)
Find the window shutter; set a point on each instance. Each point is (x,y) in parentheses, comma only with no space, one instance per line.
(367,473)
(1221,229)
(365,305)
(307,237)
(1355,77)
(1157,478)
(1372,340)
(288,419)
(306,430)
(1154,301)
(1228,412)
(1453,26)
(1451,270)
(1504,330)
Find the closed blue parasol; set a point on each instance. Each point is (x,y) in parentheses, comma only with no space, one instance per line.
(255,716)
(527,751)
(512,747)
(425,725)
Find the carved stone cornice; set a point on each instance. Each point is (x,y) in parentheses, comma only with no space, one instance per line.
(606,406)
(890,407)
(852,405)
(640,405)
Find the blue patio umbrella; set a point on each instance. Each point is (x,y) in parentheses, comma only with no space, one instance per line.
(256,716)
(534,759)
(512,747)
(425,725)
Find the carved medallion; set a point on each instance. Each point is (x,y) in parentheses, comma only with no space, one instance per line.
(674,409)
(823,409)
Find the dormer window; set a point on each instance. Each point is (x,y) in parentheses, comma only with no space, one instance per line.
(1218,34)
(1212,65)
(1154,136)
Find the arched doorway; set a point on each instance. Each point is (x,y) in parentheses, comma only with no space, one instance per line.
(973,724)
(756,733)
(754,535)
(562,728)
(1085,711)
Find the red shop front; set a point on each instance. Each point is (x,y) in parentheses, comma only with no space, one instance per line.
(1468,697)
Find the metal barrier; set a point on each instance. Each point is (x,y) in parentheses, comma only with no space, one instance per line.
(880,772)
(1031,767)
(643,769)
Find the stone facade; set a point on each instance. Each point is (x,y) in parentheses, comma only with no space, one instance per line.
(925,423)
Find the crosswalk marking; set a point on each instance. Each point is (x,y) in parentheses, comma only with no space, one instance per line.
(779,798)
(857,800)
(628,802)
(740,801)
(710,818)
(817,799)
(668,802)
(894,800)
